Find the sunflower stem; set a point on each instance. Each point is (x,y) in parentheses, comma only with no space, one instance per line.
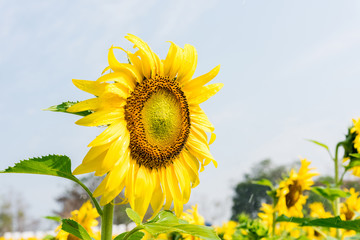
(134,230)
(107,221)
(336,206)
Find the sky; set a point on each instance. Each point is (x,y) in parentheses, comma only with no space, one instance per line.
(290,71)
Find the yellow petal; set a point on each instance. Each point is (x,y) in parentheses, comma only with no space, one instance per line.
(148,57)
(184,180)
(204,93)
(111,133)
(158,197)
(192,165)
(89,104)
(130,182)
(202,80)
(212,138)
(91,164)
(125,68)
(165,185)
(100,118)
(122,78)
(200,150)
(173,61)
(105,69)
(144,184)
(198,133)
(92,87)
(118,89)
(173,185)
(188,66)
(199,118)
(116,153)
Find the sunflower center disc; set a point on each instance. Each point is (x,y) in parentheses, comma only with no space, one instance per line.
(161,117)
(158,120)
(294,194)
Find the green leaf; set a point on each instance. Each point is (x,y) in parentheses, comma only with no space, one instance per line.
(166,222)
(334,222)
(203,232)
(264,182)
(64,106)
(354,162)
(330,193)
(167,217)
(54,218)
(53,165)
(75,229)
(133,216)
(320,144)
(135,236)
(355,155)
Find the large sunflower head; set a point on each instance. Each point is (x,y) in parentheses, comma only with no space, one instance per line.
(290,191)
(156,138)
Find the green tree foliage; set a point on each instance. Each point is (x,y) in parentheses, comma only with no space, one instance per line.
(248,196)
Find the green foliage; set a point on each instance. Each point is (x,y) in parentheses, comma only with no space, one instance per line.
(64,106)
(167,222)
(334,222)
(53,165)
(134,236)
(54,218)
(255,190)
(330,193)
(319,144)
(75,229)
(133,216)
(264,182)
(254,230)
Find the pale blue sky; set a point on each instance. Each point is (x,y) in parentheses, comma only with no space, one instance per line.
(290,68)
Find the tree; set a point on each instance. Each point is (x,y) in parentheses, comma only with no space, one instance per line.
(248,196)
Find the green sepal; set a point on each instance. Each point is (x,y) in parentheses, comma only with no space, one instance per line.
(135,236)
(330,193)
(75,229)
(54,218)
(52,165)
(264,182)
(64,106)
(133,216)
(334,222)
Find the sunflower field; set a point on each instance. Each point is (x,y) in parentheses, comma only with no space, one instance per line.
(156,141)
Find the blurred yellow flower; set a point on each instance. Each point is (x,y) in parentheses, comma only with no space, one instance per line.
(227,230)
(192,216)
(86,217)
(350,206)
(290,191)
(266,215)
(317,210)
(155,141)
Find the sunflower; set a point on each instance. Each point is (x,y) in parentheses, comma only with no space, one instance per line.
(353,145)
(317,211)
(290,191)
(192,216)
(227,230)
(351,206)
(156,137)
(86,217)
